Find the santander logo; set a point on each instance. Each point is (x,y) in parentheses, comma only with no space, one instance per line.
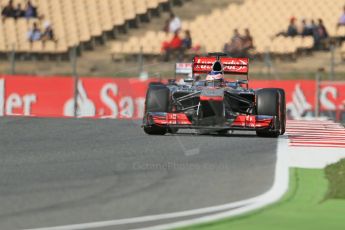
(15,103)
(86,107)
(108,103)
(299,106)
(119,106)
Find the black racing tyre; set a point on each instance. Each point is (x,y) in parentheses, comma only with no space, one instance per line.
(282,111)
(268,103)
(157,100)
(172,130)
(153,84)
(223,132)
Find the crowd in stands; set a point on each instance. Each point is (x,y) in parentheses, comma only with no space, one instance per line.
(30,11)
(36,34)
(239,46)
(10,11)
(177,44)
(317,30)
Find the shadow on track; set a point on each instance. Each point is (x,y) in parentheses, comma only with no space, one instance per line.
(245,135)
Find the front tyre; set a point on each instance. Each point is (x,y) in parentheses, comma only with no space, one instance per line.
(269,102)
(157,100)
(282,111)
(155,130)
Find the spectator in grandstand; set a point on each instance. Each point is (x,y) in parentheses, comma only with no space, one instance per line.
(307,29)
(30,10)
(322,29)
(166,26)
(292,30)
(48,33)
(19,11)
(341,21)
(185,45)
(234,47)
(247,43)
(320,35)
(34,34)
(187,40)
(174,23)
(8,11)
(174,45)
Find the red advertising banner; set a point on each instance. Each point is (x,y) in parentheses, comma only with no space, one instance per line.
(112,98)
(34,96)
(125,97)
(54,97)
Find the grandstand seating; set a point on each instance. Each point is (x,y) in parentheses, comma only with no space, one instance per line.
(74,22)
(342,51)
(79,22)
(264,18)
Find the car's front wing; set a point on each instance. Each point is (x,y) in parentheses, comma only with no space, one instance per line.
(181,120)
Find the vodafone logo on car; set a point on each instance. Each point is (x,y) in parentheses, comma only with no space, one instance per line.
(15,103)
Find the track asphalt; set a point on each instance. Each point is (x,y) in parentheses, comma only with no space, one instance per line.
(68,171)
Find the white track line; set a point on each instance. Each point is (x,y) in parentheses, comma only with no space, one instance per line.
(280,186)
(143,219)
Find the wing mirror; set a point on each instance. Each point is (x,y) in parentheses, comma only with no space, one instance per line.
(188,80)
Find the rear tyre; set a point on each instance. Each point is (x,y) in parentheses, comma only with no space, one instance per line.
(268,103)
(157,100)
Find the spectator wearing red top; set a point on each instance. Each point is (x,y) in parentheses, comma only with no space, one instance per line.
(176,42)
(174,45)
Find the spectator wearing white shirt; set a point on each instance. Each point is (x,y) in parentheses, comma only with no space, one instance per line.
(48,33)
(341,21)
(34,34)
(174,24)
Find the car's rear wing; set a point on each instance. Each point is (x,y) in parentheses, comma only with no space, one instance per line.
(230,65)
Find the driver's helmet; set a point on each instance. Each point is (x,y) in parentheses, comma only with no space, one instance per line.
(215,78)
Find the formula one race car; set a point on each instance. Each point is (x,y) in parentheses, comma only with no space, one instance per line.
(214,104)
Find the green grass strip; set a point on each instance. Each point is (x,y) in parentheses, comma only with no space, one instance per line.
(303,207)
(335,174)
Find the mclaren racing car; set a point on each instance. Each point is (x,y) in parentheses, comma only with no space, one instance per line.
(211,103)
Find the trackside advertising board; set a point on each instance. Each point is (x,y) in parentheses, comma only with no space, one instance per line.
(54,97)
(51,96)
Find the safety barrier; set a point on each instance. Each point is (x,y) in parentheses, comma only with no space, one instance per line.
(53,96)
